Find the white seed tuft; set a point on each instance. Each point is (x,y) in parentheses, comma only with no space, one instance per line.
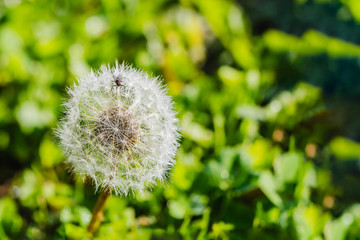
(123,135)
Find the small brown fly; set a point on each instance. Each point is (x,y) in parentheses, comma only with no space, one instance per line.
(118,80)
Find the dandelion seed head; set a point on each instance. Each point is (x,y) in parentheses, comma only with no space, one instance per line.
(124,137)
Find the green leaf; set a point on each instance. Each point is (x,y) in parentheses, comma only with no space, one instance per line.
(75,232)
(268,187)
(287,166)
(344,148)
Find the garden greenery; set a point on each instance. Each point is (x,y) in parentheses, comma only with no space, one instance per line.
(267,97)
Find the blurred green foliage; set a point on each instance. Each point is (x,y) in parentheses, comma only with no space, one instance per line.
(267,94)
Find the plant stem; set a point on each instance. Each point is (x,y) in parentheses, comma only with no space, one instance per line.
(97,215)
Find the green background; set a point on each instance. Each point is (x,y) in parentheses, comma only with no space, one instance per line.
(268,97)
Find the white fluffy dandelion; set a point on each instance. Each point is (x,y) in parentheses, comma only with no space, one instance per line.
(119,129)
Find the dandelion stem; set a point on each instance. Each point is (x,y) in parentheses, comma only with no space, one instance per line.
(97,215)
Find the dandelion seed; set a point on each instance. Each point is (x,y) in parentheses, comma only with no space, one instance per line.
(124,140)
